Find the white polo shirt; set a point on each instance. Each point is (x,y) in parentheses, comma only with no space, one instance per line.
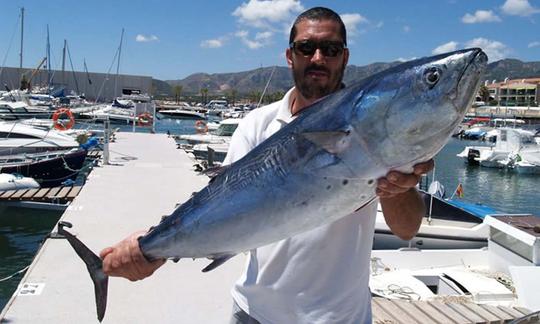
(320,276)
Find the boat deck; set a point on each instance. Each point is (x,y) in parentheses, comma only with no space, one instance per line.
(146,178)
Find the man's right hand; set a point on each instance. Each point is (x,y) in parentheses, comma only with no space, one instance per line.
(126,260)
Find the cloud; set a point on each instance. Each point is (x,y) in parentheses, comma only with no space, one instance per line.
(406,29)
(533,44)
(519,8)
(448,47)
(145,39)
(351,22)
(480,16)
(261,39)
(212,43)
(267,13)
(403,59)
(495,50)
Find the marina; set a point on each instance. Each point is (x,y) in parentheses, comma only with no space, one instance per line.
(154,163)
(92,153)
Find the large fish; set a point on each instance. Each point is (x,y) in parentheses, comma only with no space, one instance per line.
(320,167)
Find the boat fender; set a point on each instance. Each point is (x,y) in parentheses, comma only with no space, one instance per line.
(201,127)
(62,125)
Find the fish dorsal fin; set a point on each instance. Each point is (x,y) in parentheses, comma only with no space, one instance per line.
(217,261)
(215,171)
(333,142)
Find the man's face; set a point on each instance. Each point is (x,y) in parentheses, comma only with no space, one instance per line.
(317,75)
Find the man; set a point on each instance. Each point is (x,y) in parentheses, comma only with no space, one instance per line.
(320,276)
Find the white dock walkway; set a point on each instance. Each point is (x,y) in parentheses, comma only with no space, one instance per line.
(148,176)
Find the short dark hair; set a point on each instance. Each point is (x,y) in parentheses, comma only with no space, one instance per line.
(319,13)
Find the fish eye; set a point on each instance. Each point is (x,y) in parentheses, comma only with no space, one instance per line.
(432,76)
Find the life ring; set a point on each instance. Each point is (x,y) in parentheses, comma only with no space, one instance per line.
(201,127)
(144,119)
(60,124)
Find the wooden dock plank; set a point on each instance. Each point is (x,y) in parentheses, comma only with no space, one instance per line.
(432,312)
(52,193)
(7,194)
(74,192)
(510,311)
(489,317)
(380,315)
(398,313)
(413,311)
(496,311)
(467,313)
(30,193)
(63,192)
(41,193)
(18,194)
(449,312)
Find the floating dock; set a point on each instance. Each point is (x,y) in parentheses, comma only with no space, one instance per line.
(146,178)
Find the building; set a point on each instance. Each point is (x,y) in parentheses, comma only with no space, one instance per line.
(517,92)
(95,86)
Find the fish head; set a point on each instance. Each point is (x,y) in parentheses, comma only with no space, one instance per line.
(416,106)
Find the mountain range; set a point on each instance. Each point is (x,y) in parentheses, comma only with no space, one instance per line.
(244,83)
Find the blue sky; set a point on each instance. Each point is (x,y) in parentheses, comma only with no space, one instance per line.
(173,39)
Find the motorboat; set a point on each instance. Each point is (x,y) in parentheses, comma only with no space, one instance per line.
(510,141)
(182,113)
(10,181)
(504,273)
(49,169)
(17,110)
(222,134)
(17,138)
(111,113)
(448,223)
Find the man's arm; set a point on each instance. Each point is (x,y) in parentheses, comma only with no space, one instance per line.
(402,205)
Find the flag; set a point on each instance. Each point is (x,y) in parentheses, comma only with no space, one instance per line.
(459,191)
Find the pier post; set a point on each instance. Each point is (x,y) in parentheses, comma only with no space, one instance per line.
(106,135)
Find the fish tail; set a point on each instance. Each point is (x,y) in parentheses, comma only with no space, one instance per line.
(94,265)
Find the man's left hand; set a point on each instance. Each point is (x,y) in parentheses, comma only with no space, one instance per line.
(396,183)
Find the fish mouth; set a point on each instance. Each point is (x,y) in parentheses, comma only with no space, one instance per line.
(476,65)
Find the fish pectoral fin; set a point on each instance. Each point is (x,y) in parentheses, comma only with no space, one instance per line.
(333,142)
(217,261)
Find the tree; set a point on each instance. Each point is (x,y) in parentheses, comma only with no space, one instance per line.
(204,95)
(233,96)
(483,92)
(177,92)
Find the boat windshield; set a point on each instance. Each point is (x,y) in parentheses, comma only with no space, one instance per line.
(226,129)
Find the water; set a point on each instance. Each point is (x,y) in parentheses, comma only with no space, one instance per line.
(21,231)
(506,191)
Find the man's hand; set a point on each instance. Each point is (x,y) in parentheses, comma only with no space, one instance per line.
(396,183)
(126,260)
(402,206)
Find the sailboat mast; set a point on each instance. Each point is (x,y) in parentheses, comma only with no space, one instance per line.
(48,62)
(22,38)
(64,63)
(118,65)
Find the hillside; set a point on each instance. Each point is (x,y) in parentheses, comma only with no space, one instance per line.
(248,82)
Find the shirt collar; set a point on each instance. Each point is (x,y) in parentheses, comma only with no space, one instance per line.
(284,115)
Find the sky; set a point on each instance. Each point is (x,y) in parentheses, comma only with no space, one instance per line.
(173,39)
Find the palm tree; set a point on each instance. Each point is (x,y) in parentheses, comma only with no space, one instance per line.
(177,92)
(483,92)
(204,95)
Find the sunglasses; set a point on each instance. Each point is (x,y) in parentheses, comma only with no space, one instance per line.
(308,47)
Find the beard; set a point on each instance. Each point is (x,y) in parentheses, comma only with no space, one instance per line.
(311,89)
